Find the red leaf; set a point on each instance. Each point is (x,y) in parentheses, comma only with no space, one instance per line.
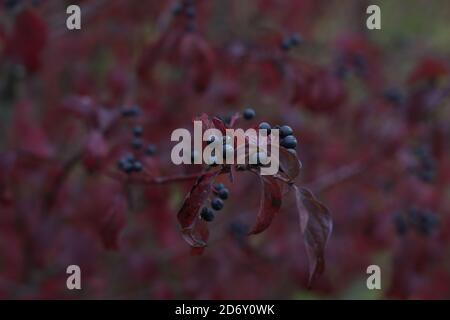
(28,39)
(316,226)
(96,149)
(201,233)
(188,214)
(289,164)
(27,133)
(219,125)
(428,68)
(113,223)
(270,204)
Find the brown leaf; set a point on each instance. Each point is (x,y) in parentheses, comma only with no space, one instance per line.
(201,233)
(188,214)
(270,204)
(316,226)
(289,164)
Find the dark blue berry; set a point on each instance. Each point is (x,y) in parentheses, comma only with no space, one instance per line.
(285,44)
(190,12)
(129,157)
(289,142)
(217,204)
(248,114)
(151,150)
(423,220)
(400,223)
(285,131)
(219,186)
(393,95)
(122,163)
(177,9)
(137,166)
(11,4)
(295,39)
(360,63)
(207,214)
(239,231)
(136,143)
(266,126)
(125,165)
(137,131)
(130,112)
(223,194)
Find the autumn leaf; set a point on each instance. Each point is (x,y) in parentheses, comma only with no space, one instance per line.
(270,204)
(290,165)
(188,214)
(316,226)
(201,233)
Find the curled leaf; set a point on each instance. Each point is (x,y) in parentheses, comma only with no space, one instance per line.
(290,165)
(188,214)
(316,226)
(201,234)
(270,204)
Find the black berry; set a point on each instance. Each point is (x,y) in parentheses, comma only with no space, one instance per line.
(137,131)
(393,95)
(219,186)
(424,221)
(248,114)
(130,112)
(207,214)
(266,126)
(285,131)
(177,9)
(125,165)
(151,150)
(223,194)
(217,204)
(400,223)
(295,39)
(136,143)
(137,166)
(289,142)
(190,12)
(285,45)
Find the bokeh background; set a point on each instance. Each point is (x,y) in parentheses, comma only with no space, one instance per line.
(370,110)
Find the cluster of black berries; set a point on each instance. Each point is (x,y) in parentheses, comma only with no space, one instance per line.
(217,203)
(426,165)
(423,221)
(291,41)
(129,163)
(286,135)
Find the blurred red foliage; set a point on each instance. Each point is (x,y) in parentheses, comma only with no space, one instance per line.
(380,161)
